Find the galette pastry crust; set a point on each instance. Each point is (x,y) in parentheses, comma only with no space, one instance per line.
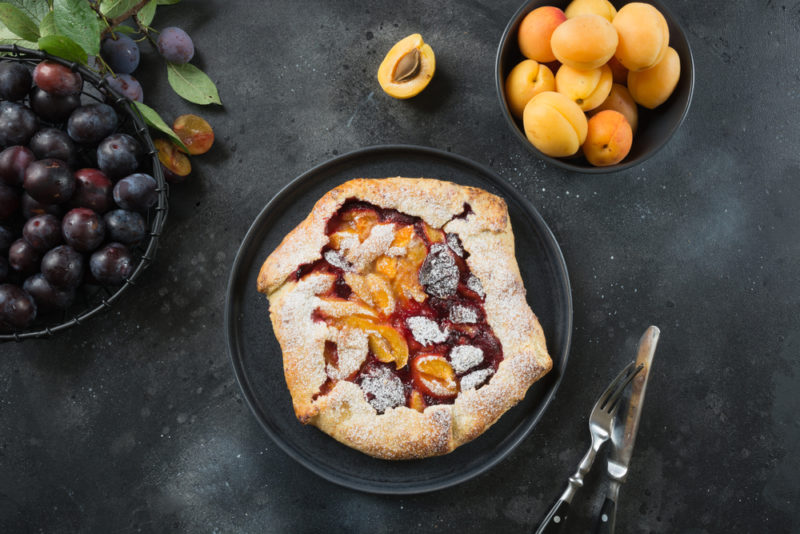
(343,412)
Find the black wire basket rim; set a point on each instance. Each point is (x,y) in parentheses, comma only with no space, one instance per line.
(161,209)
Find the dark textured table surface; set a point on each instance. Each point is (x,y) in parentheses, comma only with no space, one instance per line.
(135,423)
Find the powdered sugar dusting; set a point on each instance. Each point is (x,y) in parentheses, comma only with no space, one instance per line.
(474,284)
(463,314)
(475,379)
(352,346)
(385,389)
(465,357)
(377,242)
(426,331)
(455,245)
(439,272)
(336,259)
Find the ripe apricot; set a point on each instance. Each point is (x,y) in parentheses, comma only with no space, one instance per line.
(591,7)
(643,36)
(620,99)
(535,31)
(554,124)
(525,81)
(587,88)
(407,68)
(618,70)
(608,139)
(652,87)
(584,42)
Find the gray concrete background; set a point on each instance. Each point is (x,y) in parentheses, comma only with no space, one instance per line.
(134,422)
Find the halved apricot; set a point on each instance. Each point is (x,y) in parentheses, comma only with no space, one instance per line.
(384,341)
(434,375)
(407,68)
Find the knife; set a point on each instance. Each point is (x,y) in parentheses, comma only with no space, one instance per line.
(623,435)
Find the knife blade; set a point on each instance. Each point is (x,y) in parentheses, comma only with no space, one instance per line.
(623,435)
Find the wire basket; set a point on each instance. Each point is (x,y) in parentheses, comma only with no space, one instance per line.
(97,299)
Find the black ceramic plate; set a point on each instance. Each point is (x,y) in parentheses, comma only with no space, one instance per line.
(257,359)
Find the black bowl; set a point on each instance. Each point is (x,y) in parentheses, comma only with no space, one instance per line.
(656,126)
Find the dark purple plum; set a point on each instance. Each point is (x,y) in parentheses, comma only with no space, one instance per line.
(17,308)
(57,79)
(4,269)
(127,227)
(53,143)
(48,297)
(32,207)
(53,108)
(121,53)
(83,229)
(90,124)
(63,266)
(175,45)
(112,264)
(93,190)
(136,192)
(49,181)
(43,232)
(126,85)
(118,155)
(6,237)
(17,124)
(23,258)
(9,202)
(15,80)
(13,162)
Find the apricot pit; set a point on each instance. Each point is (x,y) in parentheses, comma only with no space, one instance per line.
(407,68)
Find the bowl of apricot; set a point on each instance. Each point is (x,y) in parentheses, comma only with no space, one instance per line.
(594,86)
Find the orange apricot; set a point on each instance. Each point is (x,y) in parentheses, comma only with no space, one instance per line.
(554,124)
(608,139)
(643,36)
(604,8)
(587,88)
(535,31)
(652,87)
(620,99)
(584,42)
(618,70)
(525,81)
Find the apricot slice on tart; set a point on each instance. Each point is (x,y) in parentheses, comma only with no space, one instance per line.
(384,341)
(432,374)
(407,68)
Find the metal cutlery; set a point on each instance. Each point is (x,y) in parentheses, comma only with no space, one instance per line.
(623,435)
(600,422)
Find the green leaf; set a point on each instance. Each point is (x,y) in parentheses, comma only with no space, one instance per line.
(192,84)
(167,2)
(76,20)
(64,47)
(115,8)
(18,22)
(146,14)
(152,118)
(35,9)
(7,37)
(48,25)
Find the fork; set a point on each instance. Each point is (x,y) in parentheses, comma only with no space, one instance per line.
(600,422)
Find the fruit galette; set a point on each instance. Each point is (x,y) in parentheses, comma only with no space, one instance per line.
(402,317)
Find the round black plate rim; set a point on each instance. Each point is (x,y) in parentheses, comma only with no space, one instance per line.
(498,77)
(233,344)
